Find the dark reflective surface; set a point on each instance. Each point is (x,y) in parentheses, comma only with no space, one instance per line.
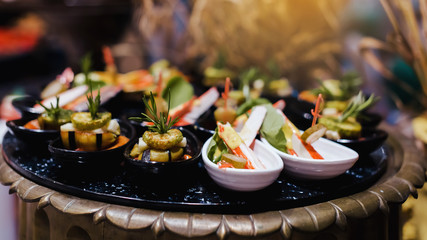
(119,185)
(370,140)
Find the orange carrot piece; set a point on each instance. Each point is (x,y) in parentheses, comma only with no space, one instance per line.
(33,124)
(108,56)
(310,149)
(316,112)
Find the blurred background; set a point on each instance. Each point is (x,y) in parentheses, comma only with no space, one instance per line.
(306,40)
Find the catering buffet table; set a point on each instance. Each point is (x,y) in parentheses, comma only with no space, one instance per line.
(372,213)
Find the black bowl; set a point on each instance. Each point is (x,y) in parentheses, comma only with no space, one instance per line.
(98,158)
(32,137)
(370,141)
(25,105)
(175,171)
(369,119)
(299,112)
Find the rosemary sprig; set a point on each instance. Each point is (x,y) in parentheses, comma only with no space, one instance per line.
(86,66)
(357,105)
(162,122)
(53,111)
(92,105)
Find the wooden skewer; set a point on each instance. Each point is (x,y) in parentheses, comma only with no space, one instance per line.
(225,93)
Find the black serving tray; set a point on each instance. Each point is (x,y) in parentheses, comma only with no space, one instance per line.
(198,193)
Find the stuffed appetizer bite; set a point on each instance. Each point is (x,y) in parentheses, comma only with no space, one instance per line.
(51,119)
(90,131)
(160,143)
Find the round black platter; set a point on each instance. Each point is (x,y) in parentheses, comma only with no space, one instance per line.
(122,185)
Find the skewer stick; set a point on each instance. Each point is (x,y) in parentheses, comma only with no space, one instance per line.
(225,93)
(316,112)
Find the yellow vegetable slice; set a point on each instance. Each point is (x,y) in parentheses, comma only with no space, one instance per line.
(234,160)
(173,154)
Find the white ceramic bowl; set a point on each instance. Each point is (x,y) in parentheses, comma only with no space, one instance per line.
(246,179)
(337,160)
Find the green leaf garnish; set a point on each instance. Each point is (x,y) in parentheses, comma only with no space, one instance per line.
(221,61)
(246,106)
(86,65)
(339,90)
(271,129)
(179,89)
(216,148)
(357,105)
(92,104)
(162,122)
(53,111)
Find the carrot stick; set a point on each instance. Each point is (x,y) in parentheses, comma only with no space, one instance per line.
(225,93)
(316,112)
(108,56)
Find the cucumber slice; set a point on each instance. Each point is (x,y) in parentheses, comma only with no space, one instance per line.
(313,133)
(84,122)
(347,129)
(236,161)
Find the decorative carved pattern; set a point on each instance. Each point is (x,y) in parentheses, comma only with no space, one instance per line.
(395,187)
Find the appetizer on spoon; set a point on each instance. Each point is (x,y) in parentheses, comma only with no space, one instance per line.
(239,162)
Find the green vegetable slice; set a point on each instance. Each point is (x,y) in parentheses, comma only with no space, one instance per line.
(84,122)
(246,106)
(181,91)
(216,148)
(271,129)
(234,160)
(313,133)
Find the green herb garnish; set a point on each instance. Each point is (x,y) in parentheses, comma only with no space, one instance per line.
(53,111)
(162,122)
(357,105)
(92,105)
(86,65)
(339,90)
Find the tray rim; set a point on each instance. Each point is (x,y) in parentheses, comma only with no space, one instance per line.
(399,181)
(177,206)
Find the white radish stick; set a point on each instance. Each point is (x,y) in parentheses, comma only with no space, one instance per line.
(201,105)
(253,124)
(235,143)
(107,92)
(64,98)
